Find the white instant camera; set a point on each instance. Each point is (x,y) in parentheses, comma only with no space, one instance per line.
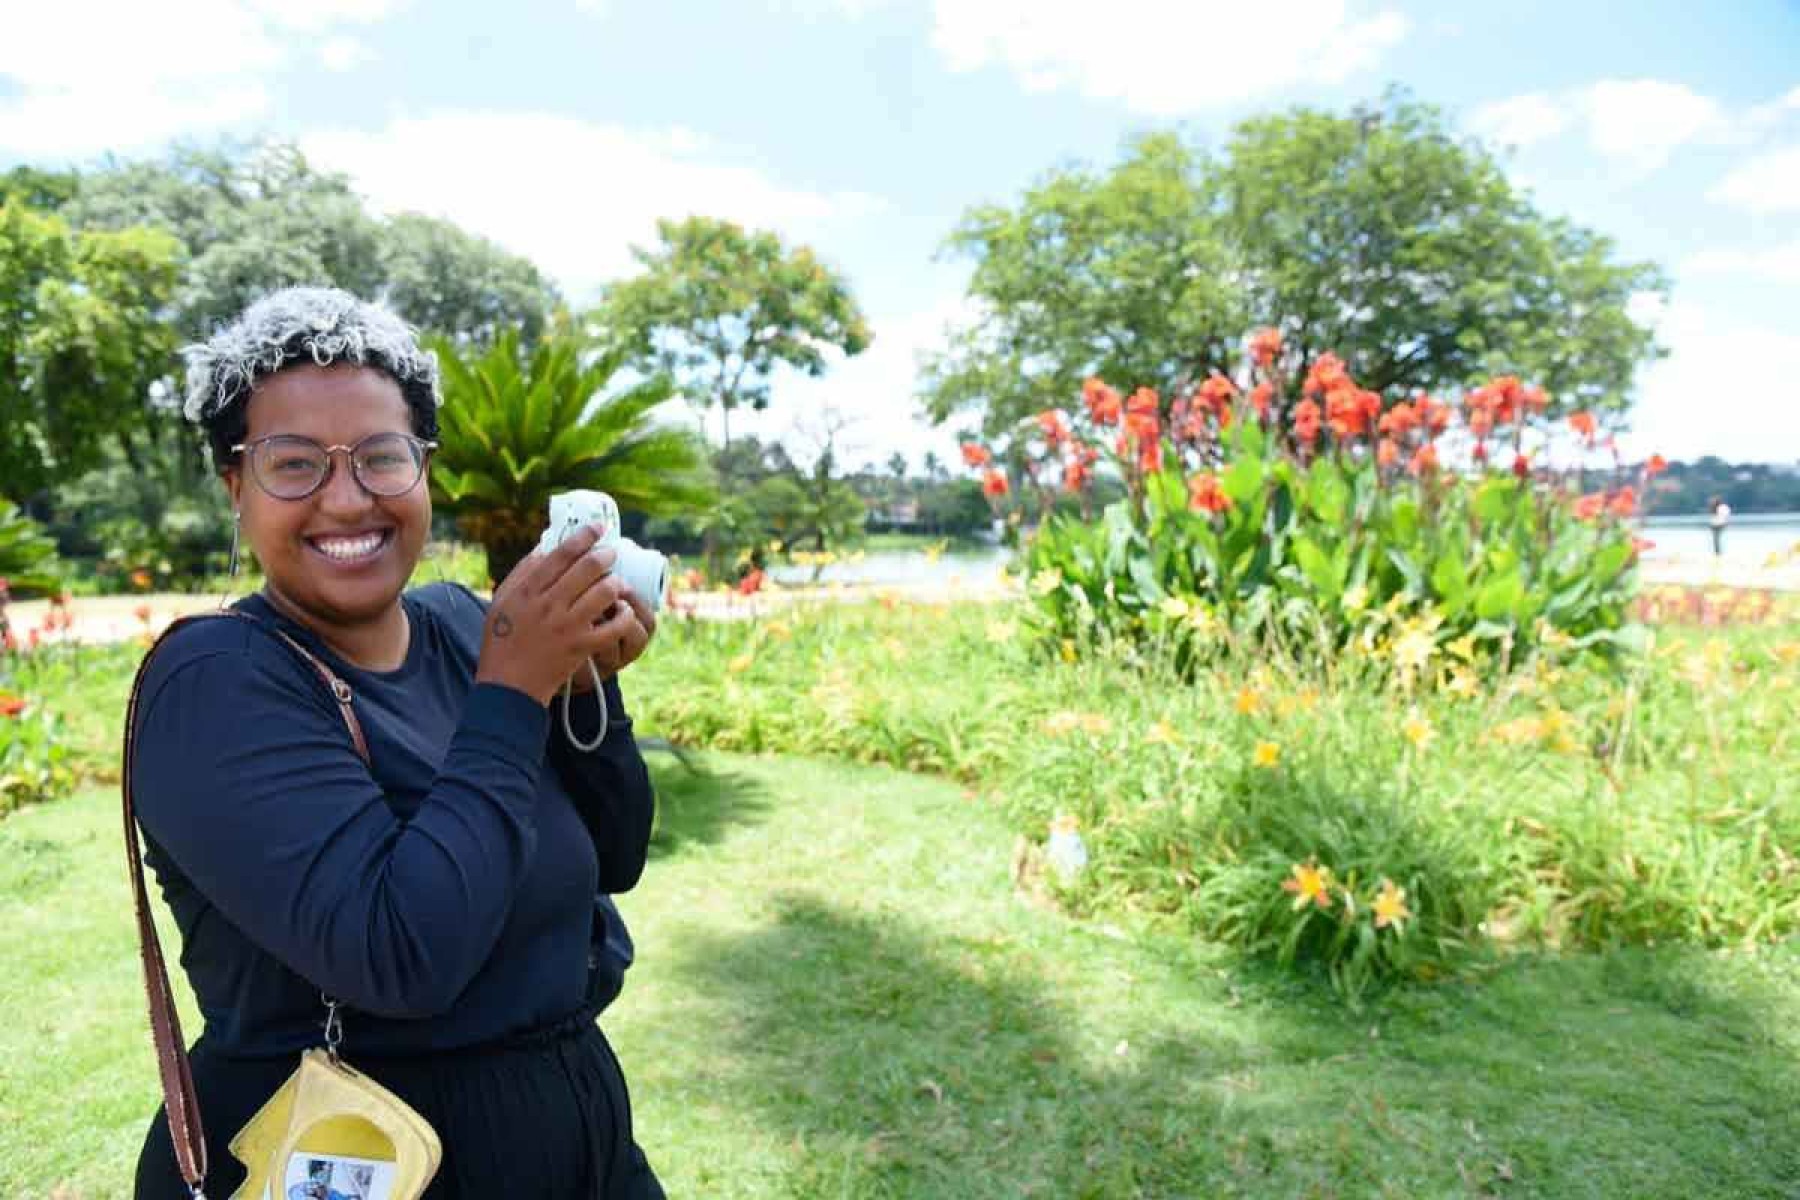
(646,571)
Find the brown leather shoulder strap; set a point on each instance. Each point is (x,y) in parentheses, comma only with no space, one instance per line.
(179,1097)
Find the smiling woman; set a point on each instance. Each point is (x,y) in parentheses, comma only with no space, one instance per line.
(438,861)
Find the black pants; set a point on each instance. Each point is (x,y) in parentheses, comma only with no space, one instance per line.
(541,1117)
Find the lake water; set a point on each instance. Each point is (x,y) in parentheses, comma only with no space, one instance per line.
(1749,541)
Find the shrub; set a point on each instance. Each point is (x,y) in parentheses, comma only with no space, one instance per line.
(1309,525)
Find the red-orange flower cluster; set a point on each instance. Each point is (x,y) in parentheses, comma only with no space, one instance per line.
(1265,344)
(975,454)
(993,483)
(11,705)
(1205,494)
(1104,404)
(1306,421)
(1054,425)
(1584,424)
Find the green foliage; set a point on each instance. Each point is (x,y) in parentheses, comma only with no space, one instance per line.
(152,511)
(1381,235)
(81,338)
(718,308)
(1316,555)
(35,764)
(1118,274)
(1655,812)
(517,427)
(27,556)
(1376,233)
(463,286)
(258,216)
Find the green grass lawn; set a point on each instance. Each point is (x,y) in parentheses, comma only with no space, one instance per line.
(841,994)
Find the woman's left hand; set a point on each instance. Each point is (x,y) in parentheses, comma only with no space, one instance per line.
(631,627)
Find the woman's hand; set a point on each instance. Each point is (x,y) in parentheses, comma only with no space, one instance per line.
(555,611)
(628,631)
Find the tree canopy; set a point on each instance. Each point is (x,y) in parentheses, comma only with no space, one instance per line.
(1376,234)
(259,217)
(718,307)
(81,340)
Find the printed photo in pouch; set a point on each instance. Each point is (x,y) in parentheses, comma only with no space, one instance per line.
(315,1176)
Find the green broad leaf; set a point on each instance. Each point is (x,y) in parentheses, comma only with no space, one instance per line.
(1450,577)
(1243,479)
(1330,495)
(1610,561)
(1317,566)
(1501,596)
(1409,570)
(1251,441)
(1167,492)
(1495,499)
(1404,517)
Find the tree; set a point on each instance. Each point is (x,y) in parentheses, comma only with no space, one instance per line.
(82,337)
(1118,274)
(1382,237)
(718,308)
(516,428)
(1376,234)
(460,285)
(258,217)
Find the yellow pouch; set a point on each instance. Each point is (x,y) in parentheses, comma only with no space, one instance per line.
(332,1130)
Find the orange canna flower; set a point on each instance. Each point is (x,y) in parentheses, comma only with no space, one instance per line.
(1535,399)
(1218,392)
(976,455)
(1309,884)
(1143,402)
(1481,422)
(1326,373)
(752,582)
(1103,403)
(1584,424)
(11,705)
(1398,421)
(1260,396)
(1075,476)
(1205,494)
(1424,460)
(1590,506)
(1306,421)
(1054,425)
(1387,453)
(993,483)
(1480,453)
(1150,454)
(1623,503)
(141,579)
(1265,344)
(1656,466)
(1521,466)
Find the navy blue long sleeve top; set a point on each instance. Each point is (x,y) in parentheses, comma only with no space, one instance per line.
(445,892)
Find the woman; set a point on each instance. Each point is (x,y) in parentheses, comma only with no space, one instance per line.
(444,892)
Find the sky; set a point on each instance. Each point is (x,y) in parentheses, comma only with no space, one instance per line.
(562,129)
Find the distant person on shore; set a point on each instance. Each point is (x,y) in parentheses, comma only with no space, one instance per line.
(1721,517)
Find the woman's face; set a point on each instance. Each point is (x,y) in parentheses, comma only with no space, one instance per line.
(341,555)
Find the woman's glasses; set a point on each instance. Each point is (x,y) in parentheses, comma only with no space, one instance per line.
(291,467)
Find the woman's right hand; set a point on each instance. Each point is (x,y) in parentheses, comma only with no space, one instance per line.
(541,623)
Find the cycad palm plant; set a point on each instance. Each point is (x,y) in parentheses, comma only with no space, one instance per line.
(517,428)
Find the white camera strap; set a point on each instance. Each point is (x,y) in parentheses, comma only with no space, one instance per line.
(599,698)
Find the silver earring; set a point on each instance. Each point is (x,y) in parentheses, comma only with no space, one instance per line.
(236,528)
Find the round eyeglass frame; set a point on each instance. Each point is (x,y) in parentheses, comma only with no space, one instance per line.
(422,450)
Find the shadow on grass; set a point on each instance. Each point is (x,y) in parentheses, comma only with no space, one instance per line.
(697,805)
(895,1065)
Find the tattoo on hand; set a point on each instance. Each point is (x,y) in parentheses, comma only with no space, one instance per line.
(502,626)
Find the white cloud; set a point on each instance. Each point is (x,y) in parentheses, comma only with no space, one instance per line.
(92,75)
(1640,122)
(1710,396)
(1766,183)
(1521,120)
(1776,264)
(1164,59)
(571,195)
(875,392)
(343,54)
(1634,123)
